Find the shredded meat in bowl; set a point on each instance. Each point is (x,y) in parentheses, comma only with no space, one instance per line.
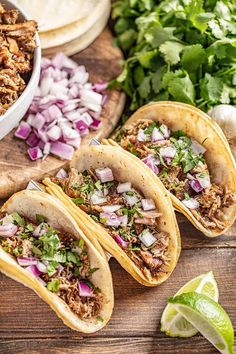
(17,45)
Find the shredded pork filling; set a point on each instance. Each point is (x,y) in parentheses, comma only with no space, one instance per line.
(122,216)
(17,46)
(59,261)
(179,162)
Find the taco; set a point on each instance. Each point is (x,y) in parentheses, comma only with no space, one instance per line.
(42,247)
(129,214)
(190,154)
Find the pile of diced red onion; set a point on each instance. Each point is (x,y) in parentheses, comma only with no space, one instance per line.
(198,182)
(66,106)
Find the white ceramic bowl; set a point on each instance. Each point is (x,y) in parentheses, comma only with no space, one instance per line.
(16,112)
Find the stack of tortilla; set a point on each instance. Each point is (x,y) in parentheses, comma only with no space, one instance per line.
(67,25)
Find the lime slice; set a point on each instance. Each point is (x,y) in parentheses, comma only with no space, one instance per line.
(173,323)
(208,317)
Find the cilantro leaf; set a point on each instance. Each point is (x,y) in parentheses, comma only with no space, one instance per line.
(53,285)
(182,89)
(211,88)
(171,51)
(193,56)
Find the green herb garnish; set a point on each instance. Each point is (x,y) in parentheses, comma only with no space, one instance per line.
(53,285)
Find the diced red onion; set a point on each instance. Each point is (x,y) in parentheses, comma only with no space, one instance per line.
(120,241)
(60,60)
(62,173)
(96,124)
(123,187)
(26,261)
(40,230)
(38,121)
(141,136)
(153,167)
(86,117)
(104,174)
(148,204)
(47,149)
(147,238)
(8,229)
(35,153)
(32,140)
(197,148)
(168,151)
(70,108)
(123,220)
(204,180)
(91,99)
(131,199)
(33,270)
(41,267)
(191,203)
(80,125)
(74,142)
(196,185)
(62,150)
(100,86)
(79,77)
(110,208)
(84,289)
(45,85)
(96,199)
(63,90)
(54,133)
(111,219)
(190,177)
(23,130)
(157,135)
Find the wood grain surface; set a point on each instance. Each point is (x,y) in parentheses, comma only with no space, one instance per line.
(28,325)
(102,62)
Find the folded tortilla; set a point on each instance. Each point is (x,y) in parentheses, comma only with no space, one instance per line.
(199,126)
(54,14)
(124,169)
(30,203)
(96,19)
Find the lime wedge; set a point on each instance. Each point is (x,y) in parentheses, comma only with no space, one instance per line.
(208,317)
(173,323)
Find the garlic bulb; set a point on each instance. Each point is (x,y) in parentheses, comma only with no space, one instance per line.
(225,116)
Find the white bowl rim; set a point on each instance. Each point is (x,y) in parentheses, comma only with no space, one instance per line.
(36,65)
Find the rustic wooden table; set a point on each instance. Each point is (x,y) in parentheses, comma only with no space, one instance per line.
(28,325)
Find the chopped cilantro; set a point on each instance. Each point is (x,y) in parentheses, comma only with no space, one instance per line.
(40,218)
(72,257)
(36,251)
(52,268)
(17,251)
(18,219)
(78,201)
(186,196)
(149,129)
(53,285)
(98,185)
(93,270)
(99,318)
(129,193)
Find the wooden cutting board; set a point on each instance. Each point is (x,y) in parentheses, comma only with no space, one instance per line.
(102,62)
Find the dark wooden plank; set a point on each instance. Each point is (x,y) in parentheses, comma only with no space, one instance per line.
(116,345)
(137,309)
(193,238)
(102,60)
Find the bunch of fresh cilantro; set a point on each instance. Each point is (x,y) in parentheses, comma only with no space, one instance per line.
(182,50)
